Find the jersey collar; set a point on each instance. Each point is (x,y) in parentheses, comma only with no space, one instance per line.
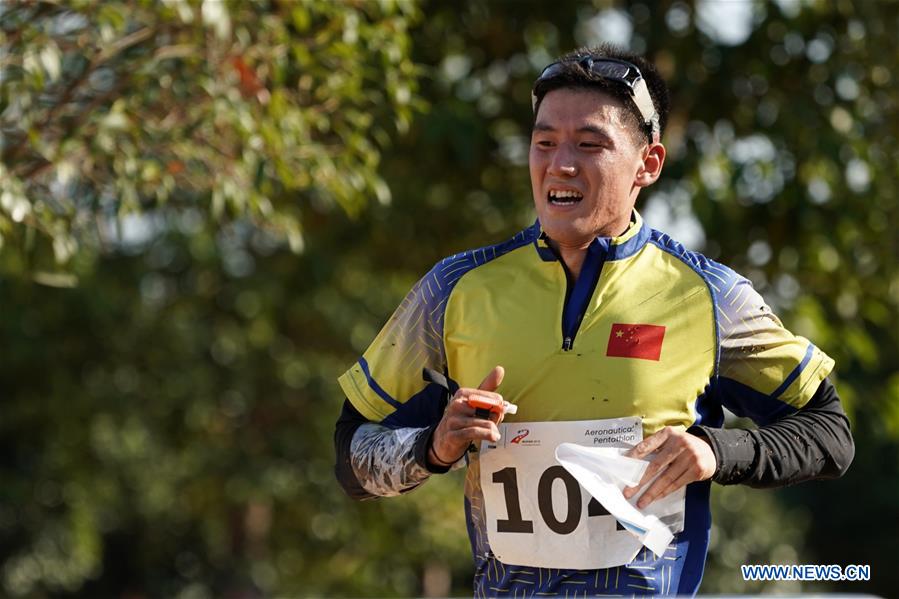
(615,248)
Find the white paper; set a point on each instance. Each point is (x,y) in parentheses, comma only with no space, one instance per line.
(604,472)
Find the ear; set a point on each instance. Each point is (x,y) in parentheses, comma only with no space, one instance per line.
(651,169)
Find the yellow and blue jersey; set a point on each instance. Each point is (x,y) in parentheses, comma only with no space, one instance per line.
(649,329)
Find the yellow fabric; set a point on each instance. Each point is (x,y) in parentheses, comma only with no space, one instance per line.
(407,343)
(496,315)
(503,305)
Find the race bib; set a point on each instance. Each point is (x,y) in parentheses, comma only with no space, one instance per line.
(537,513)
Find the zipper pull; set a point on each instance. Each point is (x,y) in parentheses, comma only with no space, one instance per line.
(566,344)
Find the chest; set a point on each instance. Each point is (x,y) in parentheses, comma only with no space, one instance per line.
(644,346)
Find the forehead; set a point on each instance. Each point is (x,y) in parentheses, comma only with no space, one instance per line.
(575,107)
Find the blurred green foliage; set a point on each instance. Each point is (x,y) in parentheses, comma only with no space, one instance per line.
(167,421)
(239,109)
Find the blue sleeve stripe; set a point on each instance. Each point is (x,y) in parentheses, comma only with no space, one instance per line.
(743,400)
(796,371)
(376,387)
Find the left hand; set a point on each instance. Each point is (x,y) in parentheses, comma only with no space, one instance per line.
(685,458)
(461,425)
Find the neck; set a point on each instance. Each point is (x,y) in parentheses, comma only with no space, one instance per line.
(573,254)
(572,257)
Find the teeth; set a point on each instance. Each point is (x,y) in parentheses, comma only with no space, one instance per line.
(565,194)
(564,197)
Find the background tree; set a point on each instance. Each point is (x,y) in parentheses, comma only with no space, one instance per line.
(235,109)
(167,422)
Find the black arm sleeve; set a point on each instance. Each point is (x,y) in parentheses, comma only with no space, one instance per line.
(347,424)
(815,442)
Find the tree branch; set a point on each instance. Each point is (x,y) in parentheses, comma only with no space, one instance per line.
(104,56)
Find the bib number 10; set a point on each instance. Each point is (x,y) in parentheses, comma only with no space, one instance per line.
(508,478)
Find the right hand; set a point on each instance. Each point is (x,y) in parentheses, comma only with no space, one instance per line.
(459,426)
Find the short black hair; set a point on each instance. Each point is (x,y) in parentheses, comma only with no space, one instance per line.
(572,75)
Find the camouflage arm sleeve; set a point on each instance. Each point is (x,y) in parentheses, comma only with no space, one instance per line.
(386,461)
(374,460)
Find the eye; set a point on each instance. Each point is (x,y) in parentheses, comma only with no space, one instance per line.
(544,143)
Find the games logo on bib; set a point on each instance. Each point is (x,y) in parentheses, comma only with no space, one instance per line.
(519,439)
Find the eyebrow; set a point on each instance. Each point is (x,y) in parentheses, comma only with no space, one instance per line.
(540,126)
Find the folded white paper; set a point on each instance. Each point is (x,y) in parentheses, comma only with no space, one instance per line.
(604,472)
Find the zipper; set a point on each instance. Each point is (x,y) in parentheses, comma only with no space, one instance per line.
(579,293)
(567,336)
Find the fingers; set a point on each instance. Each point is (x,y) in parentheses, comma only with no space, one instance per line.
(667,455)
(493,379)
(650,443)
(465,416)
(682,458)
(486,392)
(676,476)
(462,431)
(452,437)
(461,426)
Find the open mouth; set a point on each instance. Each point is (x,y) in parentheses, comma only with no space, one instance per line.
(558,197)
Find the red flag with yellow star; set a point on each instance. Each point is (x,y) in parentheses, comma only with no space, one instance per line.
(642,341)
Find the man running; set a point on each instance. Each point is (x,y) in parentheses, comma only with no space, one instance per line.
(601,332)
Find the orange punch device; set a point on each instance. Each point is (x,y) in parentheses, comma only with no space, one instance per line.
(483,407)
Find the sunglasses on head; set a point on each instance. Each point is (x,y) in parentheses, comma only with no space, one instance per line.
(618,71)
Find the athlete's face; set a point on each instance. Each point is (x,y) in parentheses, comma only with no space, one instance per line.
(586,167)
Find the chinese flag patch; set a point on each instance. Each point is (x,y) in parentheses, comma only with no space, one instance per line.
(636,341)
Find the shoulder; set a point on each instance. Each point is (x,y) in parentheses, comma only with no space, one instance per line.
(721,279)
(739,309)
(446,273)
(715,273)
